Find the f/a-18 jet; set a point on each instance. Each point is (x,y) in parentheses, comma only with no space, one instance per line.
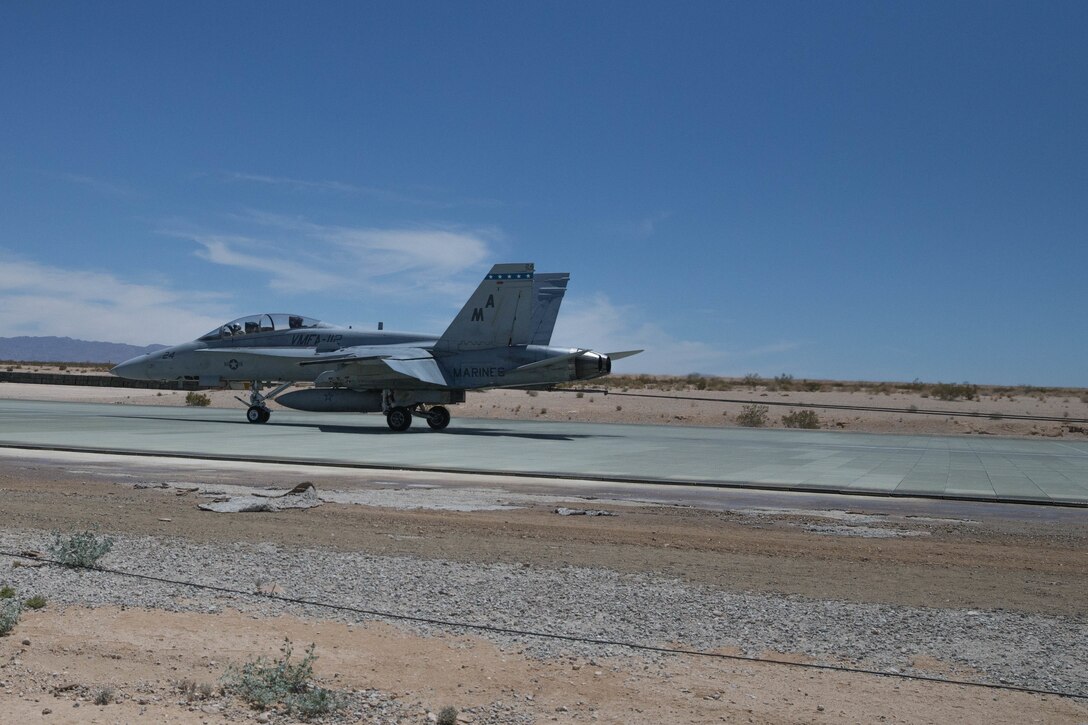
(500,339)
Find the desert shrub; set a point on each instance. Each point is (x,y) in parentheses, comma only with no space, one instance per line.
(9,615)
(104,696)
(753,416)
(35,602)
(812,386)
(7,592)
(783,381)
(447,716)
(695,380)
(801,419)
(752,380)
(80,550)
(264,684)
(197,400)
(313,703)
(192,691)
(955,391)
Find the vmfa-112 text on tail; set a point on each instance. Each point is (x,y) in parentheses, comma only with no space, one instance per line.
(500,339)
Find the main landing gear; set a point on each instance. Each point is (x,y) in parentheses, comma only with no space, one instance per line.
(258,412)
(399,418)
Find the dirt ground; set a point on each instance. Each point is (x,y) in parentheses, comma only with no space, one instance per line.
(150,651)
(57,658)
(1009,564)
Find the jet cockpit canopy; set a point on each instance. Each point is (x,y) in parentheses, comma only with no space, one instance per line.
(277,322)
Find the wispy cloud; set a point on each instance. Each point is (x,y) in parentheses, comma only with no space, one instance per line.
(37,299)
(378,193)
(299,256)
(606,327)
(101,186)
(285,272)
(643,228)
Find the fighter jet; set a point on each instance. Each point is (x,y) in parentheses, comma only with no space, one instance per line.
(500,339)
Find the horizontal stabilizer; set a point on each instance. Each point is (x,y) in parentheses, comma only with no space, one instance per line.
(622,355)
(548,361)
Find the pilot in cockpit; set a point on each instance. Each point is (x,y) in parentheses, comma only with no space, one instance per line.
(294,321)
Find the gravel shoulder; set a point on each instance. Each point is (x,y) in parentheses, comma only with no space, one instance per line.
(996,600)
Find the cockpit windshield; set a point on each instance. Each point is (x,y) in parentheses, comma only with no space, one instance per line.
(263,323)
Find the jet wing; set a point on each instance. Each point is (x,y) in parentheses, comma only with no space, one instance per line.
(379,365)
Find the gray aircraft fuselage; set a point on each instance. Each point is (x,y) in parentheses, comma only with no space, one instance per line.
(500,339)
(215,363)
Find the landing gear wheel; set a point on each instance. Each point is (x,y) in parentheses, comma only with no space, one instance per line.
(399,419)
(257,414)
(438,417)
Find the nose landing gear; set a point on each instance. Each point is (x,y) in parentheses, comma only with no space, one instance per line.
(258,412)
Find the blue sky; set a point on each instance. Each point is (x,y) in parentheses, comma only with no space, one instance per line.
(849,190)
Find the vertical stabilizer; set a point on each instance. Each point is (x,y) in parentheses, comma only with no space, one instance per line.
(498,314)
(548,291)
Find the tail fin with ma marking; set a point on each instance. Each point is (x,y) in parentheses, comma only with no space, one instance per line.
(498,314)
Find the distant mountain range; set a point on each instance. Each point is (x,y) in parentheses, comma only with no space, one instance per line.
(67,349)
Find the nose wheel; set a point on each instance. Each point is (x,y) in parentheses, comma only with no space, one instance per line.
(258,414)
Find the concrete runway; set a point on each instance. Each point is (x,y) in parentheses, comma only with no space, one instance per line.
(955,467)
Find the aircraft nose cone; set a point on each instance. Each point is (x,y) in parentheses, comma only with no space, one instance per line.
(134,369)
